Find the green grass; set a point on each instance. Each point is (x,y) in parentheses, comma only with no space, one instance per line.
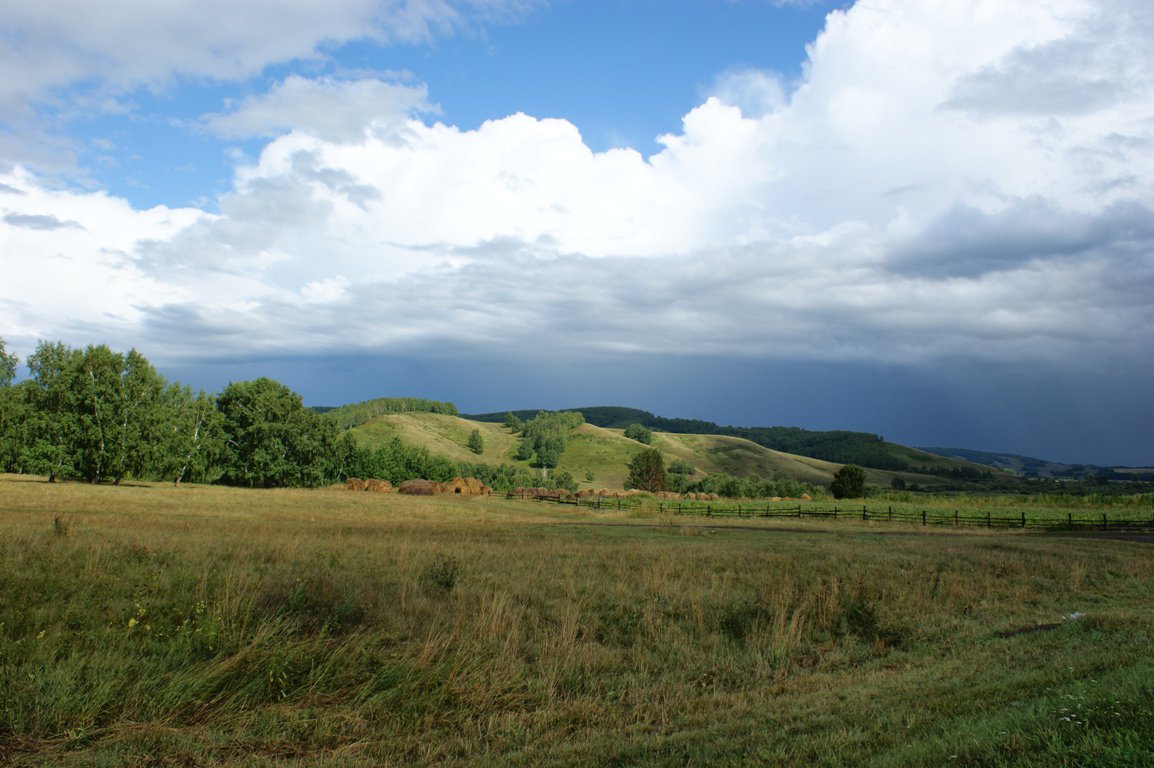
(147,625)
(441,434)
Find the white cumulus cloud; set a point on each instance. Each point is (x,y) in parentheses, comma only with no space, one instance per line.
(905,201)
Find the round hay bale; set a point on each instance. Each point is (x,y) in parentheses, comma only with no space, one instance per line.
(354,484)
(378,486)
(418,488)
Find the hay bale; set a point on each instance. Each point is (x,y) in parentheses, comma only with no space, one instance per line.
(378,486)
(556,493)
(465,486)
(418,488)
(354,484)
(805,497)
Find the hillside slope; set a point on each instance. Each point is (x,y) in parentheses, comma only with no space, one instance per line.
(597,457)
(838,446)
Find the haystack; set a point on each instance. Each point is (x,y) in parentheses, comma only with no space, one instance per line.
(373,486)
(465,486)
(418,488)
(556,493)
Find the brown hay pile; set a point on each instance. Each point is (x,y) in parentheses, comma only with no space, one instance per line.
(557,493)
(418,488)
(465,486)
(805,497)
(373,486)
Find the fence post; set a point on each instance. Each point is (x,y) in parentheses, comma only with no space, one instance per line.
(1070,520)
(709,510)
(923,517)
(1105,524)
(1023,520)
(835,513)
(891,513)
(955,518)
(798,511)
(864,511)
(987,518)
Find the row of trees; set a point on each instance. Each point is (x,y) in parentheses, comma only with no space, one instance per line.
(103,416)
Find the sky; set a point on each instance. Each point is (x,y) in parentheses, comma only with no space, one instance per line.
(928,219)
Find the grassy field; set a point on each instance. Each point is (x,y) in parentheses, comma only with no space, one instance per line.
(147,625)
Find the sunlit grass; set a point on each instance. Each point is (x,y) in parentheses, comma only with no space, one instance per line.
(150,625)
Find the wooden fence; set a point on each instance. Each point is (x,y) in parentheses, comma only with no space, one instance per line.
(956,518)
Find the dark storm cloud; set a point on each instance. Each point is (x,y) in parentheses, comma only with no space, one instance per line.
(967,242)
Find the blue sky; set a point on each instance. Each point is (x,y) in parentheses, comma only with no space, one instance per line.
(623,74)
(927,220)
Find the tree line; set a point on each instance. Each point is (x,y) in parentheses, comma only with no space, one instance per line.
(103,416)
(97,415)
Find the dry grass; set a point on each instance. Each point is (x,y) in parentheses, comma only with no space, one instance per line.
(212,626)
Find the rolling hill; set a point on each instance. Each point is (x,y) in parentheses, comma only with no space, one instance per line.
(598,456)
(837,446)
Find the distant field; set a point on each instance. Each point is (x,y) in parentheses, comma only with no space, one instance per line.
(147,625)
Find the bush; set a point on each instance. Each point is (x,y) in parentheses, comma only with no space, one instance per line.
(639,433)
(849,482)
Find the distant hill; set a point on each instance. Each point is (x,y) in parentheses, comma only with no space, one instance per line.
(598,456)
(1028,466)
(355,414)
(837,446)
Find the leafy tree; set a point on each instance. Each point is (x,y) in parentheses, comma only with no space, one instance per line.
(476,442)
(192,436)
(647,471)
(849,482)
(52,422)
(543,438)
(639,433)
(118,399)
(8,364)
(512,423)
(681,467)
(12,414)
(272,440)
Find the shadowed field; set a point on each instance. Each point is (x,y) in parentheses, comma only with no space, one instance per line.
(146,625)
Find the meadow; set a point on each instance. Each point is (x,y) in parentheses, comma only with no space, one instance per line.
(199,626)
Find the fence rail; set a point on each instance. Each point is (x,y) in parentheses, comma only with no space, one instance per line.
(955,518)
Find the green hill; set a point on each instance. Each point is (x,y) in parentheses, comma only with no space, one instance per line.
(597,457)
(837,446)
